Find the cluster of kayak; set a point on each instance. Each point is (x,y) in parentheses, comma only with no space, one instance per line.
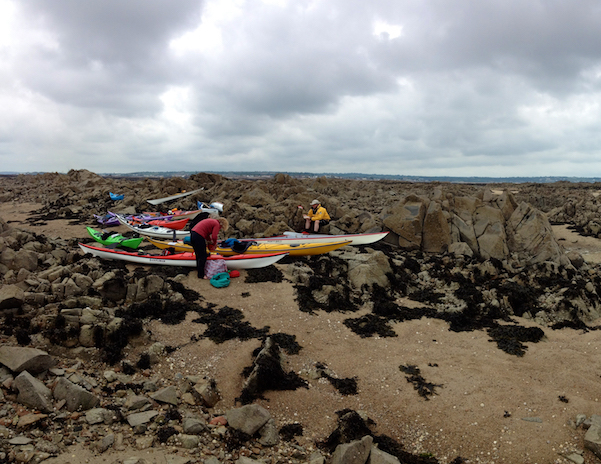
(245,253)
(172,219)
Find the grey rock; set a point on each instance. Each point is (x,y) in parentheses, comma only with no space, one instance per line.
(139,418)
(33,392)
(76,397)
(11,296)
(134,460)
(136,402)
(355,452)
(20,440)
(208,393)
(575,458)
(99,416)
(189,441)
(248,419)
(19,359)
(175,459)
(532,419)
(269,435)
(592,439)
(192,425)
(166,395)
(377,456)
(247,460)
(105,443)
(316,458)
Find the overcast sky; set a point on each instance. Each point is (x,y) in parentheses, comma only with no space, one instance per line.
(412,87)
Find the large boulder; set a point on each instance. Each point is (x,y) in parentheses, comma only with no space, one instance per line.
(368,269)
(463,231)
(436,230)
(531,236)
(490,232)
(407,221)
(257,198)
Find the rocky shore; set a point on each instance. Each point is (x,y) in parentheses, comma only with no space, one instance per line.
(85,364)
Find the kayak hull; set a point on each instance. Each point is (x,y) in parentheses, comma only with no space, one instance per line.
(115,239)
(306,249)
(158,201)
(299,238)
(154,231)
(237,262)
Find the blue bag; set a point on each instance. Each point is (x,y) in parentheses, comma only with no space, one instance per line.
(220,280)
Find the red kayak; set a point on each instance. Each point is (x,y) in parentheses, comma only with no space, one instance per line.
(177,224)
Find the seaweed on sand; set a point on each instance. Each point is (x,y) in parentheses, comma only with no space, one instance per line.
(510,338)
(265,274)
(226,324)
(346,386)
(267,373)
(414,376)
(369,325)
(289,431)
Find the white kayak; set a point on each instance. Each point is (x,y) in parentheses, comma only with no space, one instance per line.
(158,201)
(298,238)
(183,259)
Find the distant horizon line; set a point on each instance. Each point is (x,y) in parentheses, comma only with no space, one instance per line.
(351,175)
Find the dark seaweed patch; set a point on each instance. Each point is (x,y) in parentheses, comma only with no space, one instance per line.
(172,414)
(235,439)
(289,431)
(226,324)
(423,388)
(426,295)
(267,373)
(117,340)
(265,274)
(510,338)
(522,299)
(347,386)
(128,368)
(163,433)
(144,361)
(189,295)
(286,342)
(370,325)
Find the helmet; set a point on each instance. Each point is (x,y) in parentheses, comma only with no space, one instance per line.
(218,206)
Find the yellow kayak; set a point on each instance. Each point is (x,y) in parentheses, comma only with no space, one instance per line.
(304,249)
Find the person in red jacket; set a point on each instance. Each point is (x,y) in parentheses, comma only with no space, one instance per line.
(204,235)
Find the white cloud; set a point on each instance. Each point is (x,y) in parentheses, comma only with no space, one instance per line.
(379,87)
(384,30)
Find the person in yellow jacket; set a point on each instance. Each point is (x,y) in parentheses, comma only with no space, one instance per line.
(317,215)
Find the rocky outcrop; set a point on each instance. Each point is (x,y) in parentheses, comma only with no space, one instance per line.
(469,252)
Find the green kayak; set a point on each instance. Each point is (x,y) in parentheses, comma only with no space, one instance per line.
(114,239)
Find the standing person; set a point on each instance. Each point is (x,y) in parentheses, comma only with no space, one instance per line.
(317,215)
(204,235)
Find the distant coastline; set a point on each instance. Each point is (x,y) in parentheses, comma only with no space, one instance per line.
(354,176)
